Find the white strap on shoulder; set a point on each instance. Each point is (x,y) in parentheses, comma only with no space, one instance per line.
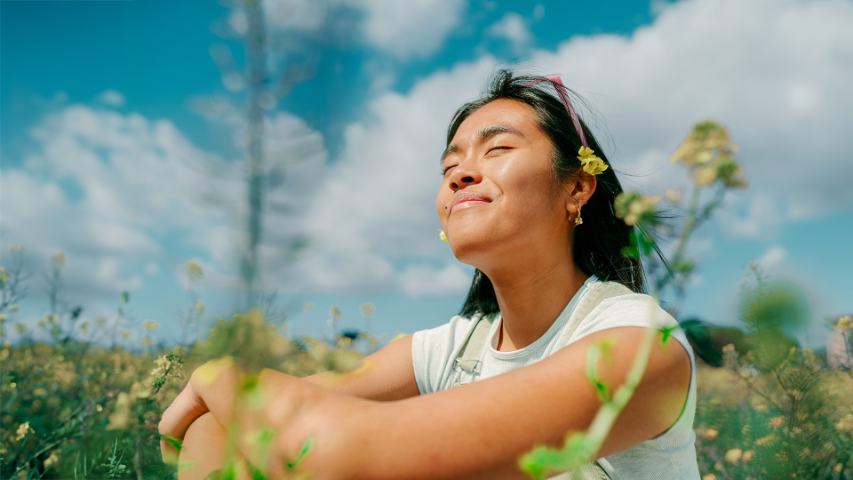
(469,357)
(595,294)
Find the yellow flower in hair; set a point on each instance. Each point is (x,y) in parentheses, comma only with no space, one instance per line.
(591,163)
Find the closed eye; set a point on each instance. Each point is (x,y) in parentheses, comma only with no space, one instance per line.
(497,148)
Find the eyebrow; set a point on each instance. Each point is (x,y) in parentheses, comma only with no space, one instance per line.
(484,134)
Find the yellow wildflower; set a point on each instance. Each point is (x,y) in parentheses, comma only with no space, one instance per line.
(705,176)
(777,422)
(591,163)
(759,405)
(709,476)
(58,260)
(150,324)
(120,418)
(367,309)
(161,365)
(733,455)
(51,459)
(633,207)
(673,195)
(747,456)
(845,424)
(23,430)
(845,323)
(194,270)
(199,306)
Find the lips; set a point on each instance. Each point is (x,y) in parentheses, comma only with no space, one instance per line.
(465,199)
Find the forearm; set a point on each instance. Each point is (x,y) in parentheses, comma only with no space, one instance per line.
(290,409)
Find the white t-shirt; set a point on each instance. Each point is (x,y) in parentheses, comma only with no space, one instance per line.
(670,455)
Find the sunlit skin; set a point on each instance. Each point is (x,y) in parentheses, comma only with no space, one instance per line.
(521,239)
(373,424)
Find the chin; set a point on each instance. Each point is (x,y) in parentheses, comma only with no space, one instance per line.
(470,249)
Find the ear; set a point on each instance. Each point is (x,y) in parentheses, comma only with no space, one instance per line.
(578,191)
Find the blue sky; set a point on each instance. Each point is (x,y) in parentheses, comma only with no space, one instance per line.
(120,143)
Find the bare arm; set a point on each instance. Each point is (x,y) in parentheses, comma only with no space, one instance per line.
(384,376)
(478,430)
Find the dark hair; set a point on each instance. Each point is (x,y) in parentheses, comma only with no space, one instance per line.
(598,243)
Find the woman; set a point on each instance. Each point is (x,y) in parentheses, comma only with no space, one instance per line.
(535,218)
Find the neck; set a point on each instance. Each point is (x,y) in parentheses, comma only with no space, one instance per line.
(531,298)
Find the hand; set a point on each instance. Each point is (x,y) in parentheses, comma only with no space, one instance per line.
(176,419)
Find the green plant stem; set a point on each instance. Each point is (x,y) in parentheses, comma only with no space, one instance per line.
(695,217)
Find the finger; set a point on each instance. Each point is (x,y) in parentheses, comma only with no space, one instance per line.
(263,408)
(169,453)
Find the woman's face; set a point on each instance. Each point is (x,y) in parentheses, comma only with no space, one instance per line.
(498,193)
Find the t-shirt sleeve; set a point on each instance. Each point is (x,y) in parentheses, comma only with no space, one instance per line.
(633,309)
(642,310)
(431,352)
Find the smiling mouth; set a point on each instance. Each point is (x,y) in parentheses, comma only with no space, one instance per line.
(467,204)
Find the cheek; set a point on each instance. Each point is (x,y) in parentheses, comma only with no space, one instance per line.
(530,188)
(440,201)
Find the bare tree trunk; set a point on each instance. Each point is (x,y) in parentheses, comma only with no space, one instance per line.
(257,83)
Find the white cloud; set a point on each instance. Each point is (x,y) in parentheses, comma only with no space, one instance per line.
(766,81)
(514,30)
(773,258)
(427,280)
(104,188)
(111,98)
(756,216)
(782,94)
(415,28)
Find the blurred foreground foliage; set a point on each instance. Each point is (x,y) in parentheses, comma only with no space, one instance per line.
(76,409)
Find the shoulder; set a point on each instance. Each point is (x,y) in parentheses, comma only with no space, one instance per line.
(447,334)
(627,309)
(433,350)
(630,310)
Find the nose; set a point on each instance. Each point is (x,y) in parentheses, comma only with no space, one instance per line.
(463,176)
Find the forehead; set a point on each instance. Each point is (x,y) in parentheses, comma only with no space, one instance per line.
(512,113)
